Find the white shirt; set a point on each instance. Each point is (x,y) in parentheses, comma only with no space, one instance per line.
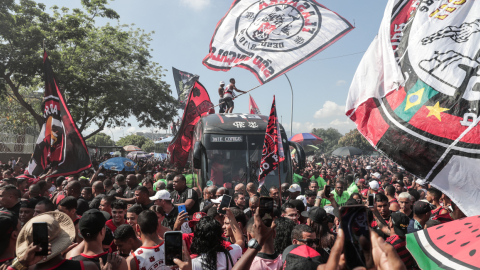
(234,250)
(151,258)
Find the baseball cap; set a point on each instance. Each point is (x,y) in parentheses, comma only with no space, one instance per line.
(315,214)
(376,175)
(368,167)
(421,182)
(400,223)
(161,195)
(421,207)
(29,203)
(295,188)
(196,218)
(301,257)
(222,82)
(361,180)
(91,222)
(373,185)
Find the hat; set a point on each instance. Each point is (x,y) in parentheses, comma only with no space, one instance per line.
(8,224)
(421,207)
(29,203)
(161,195)
(421,182)
(361,180)
(295,188)
(222,82)
(83,178)
(60,230)
(302,198)
(329,209)
(101,175)
(374,185)
(92,222)
(400,223)
(196,218)
(106,215)
(299,205)
(368,167)
(218,200)
(315,214)
(376,175)
(301,257)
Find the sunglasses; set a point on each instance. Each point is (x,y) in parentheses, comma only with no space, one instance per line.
(310,242)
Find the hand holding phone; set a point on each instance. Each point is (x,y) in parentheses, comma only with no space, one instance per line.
(173,247)
(354,222)
(184,209)
(266,210)
(371,200)
(225,203)
(327,191)
(40,237)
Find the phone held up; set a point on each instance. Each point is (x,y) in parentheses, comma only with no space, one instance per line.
(354,222)
(182,208)
(327,191)
(173,247)
(371,200)
(224,203)
(266,210)
(40,237)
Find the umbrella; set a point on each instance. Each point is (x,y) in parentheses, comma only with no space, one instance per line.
(347,151)
(118,164)
(131,148)
(306,139)
(452,245)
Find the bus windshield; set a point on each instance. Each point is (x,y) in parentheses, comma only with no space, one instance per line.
(234,159)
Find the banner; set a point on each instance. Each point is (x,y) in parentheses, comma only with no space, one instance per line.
(272,153)
(419,104)
(184,81)
(252,106)
(60,144)
(198,105)
(271,37)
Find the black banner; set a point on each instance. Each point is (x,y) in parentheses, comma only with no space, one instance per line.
(184,81)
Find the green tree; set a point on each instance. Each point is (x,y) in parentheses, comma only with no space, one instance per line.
(330,139)
(105,72)
(14,118)
(356,139)
(100,139)
(146,144)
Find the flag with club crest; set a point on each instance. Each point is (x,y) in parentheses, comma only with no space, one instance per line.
(252,106)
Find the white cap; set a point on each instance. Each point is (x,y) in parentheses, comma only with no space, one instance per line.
(373,185)
(222,82)
(101,174)
(218,200)
(161,195)
(328,209)
(368,167)
(295,188)
(421,182)
(376,175)
(302,198)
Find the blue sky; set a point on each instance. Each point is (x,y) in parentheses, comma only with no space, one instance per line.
(184,28)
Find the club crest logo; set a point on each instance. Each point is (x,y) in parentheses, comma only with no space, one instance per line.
(277,27)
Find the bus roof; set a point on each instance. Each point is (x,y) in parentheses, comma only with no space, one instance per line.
(235,123)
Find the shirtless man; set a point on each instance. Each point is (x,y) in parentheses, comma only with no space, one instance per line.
(228,95)
(221,101)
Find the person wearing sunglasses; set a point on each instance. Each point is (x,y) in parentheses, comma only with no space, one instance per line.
(304,235)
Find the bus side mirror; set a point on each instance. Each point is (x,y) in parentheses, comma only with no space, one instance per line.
(197,155)
(300,154)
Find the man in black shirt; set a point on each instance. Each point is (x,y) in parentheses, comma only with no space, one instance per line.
(120,183)
(142,197)
(74,189)
(9,195)
(184,196)
(129,192)
(109,190)
(162,198)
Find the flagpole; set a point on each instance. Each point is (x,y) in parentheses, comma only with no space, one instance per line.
(239,95)
(291,114)
(279,183)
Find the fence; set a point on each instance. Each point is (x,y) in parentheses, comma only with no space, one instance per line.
(18,143)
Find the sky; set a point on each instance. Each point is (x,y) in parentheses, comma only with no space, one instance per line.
(183,31)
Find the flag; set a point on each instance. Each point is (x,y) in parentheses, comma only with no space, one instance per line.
(198,104)
(252,106)
(272,153)
(60,145)
(271,37)
(419,104)
(184,81)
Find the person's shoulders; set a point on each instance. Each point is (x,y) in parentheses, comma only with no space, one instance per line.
(235,250)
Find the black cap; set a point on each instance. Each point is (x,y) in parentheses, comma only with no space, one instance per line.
(400,223)
(315,214)
(421,207)
(92,222)
(299,205)
(8,224)
(301,257)
(29,203)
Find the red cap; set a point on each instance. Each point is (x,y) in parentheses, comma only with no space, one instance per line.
(196,218)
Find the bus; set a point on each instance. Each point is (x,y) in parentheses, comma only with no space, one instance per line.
(227,150)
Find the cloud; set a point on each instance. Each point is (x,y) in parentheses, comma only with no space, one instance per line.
(329,109)
(342,126)
(131,129)
(196,4)
(341,82)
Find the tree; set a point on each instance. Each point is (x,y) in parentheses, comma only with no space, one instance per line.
(100,139)
(146,144)
(330,139)
(356,139)
(14,118)
(104,72)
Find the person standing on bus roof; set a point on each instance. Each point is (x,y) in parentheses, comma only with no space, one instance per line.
(228,95)
(221,103)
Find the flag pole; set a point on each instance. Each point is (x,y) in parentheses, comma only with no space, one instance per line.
(279,183)
(239,95)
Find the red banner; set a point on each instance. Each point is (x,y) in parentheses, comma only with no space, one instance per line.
(252,106)
(198,105)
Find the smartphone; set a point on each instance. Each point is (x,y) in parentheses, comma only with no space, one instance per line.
(182,208)
(327,191)
(371,200)
(40,237)
(354,222)
(266,210)
(173,247)
(224,203)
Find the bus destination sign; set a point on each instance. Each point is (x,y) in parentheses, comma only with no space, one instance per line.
(227,139)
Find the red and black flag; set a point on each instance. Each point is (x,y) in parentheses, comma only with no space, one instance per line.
(272,153)
(60,145)
(198,105)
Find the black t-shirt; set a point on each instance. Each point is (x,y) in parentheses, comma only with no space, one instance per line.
(69,265)
(112,192)
(95,259)
(183,196)
(170,218)
(82,206)
(15,209)
(146,207)
(129,193)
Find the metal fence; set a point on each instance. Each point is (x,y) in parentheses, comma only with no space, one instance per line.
(23,143)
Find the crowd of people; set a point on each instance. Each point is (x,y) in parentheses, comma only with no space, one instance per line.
(107,220)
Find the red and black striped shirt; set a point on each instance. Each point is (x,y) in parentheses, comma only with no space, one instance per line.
(399,244)
(443,218)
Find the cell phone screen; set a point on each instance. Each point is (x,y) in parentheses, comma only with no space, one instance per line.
(173,247)
(371,198)
(327,191)
(40,237)
(224,203)
(266,210)
(182,208)
(354,223)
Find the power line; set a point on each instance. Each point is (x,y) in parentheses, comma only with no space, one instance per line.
(337,56)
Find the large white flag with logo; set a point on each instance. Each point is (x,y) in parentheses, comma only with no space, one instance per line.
(270,37)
